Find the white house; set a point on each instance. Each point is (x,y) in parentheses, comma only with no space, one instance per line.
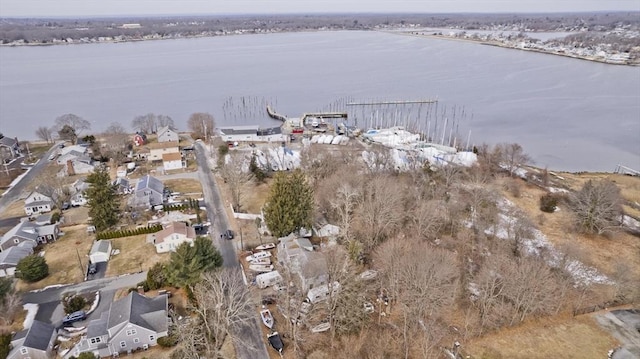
(252,134)
(37,203)
(156,150)
(172,161)
(100,251)
(167,134)
(172,236)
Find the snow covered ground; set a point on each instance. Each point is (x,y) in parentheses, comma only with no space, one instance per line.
(538,243)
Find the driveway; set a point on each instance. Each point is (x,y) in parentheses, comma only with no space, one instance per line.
(101,270)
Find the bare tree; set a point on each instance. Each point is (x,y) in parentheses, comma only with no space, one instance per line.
(379,159)
(116,141)
(145,123)
(597,207)
(164,120)
(224,305)
(428,219)
(380,210)
(512,156)
(9,306)
(236,174)
(77,123)
(55,188)
(45,133)
(201,124)
(344,205)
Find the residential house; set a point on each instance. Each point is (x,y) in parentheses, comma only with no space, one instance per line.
(9,148)
(168,134)
(172,236)
(149,192)
(122,186)
(172,161)
(10,258)
(139,139)
(37,203)
(100,251)
(79,166)
(43,219)
(36,342)
(133,322)
(156,150)
(252,134)
(29,232)
(309,266)
(78,189)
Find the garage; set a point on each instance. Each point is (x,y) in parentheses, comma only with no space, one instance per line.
(100,251)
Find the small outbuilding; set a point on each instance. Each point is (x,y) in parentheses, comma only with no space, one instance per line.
(100,251)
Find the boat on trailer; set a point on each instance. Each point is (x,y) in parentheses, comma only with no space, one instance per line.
(267,318)
(276,342)
(266,246)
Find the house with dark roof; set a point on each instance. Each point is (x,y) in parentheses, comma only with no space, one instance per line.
(34,343)
(309,266)
(9,259)
(172,236)
(37,203)
(167,134)
(9,148)
(29,232)
(133,322)
(149,192)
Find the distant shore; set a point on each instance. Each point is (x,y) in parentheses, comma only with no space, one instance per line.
(506,46)
(406,33)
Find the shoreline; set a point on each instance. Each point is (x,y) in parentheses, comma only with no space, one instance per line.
(405,33)
(505,46)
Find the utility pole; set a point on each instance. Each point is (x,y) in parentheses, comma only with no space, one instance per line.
(80,262)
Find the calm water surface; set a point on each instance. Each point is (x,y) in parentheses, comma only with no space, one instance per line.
(568,114)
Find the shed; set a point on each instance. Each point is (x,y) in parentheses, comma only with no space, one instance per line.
(100,251)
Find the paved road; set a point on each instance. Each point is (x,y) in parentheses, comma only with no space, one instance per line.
(250,344)
(51,310)
(16,191)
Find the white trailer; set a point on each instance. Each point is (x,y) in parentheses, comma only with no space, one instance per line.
(265,280)
(321,293)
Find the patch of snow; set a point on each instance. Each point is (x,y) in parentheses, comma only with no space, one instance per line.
(631,222)
(557,190)
(538,243)
(32,310)
(48,287)
(96,301)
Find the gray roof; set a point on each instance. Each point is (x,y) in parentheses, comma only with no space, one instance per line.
(44,218)
(13,255)
(240,130)
(98,327)
(39,335)
(101,246)
(24,230)
(8,141)
(150,313)
(149,182)
(164,129)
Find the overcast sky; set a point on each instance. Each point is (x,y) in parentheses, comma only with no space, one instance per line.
(78,8)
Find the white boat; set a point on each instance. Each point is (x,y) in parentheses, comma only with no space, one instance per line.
(267,318)
(258,256)
(261,267)
(266,246)
(322,327)
(261,261)
(368,274)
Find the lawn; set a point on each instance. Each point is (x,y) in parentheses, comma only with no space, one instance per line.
(135,255)
(185,186)
(579,337)
(62,258)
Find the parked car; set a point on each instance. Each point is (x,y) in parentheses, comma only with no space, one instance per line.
(74,317)
(93,268)
(65,206)
(228,234)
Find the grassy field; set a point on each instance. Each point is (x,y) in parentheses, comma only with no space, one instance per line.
(579,337)
(135,255)
(184,186)
(62,258)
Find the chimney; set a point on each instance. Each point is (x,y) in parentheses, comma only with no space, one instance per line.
(70,171)
(140,290)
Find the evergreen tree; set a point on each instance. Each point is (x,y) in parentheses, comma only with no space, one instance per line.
(102,199)
(290,204)
(188,262)
(32,268)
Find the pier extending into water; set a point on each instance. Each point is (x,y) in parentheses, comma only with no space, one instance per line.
(390,103)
